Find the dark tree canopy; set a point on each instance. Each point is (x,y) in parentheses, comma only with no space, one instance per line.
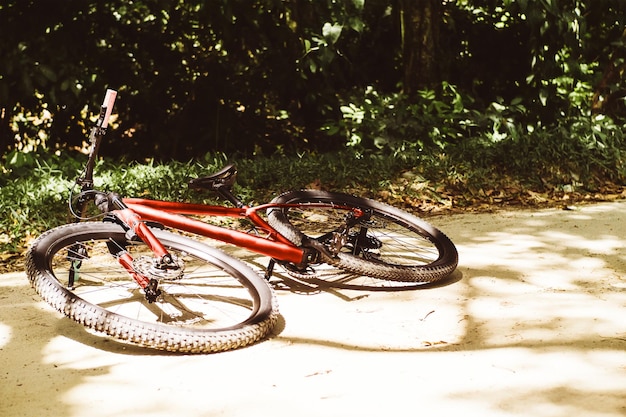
(259,75)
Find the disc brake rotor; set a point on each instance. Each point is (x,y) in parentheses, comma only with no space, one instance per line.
(147,266)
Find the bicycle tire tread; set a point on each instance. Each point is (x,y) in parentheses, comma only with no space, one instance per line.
(139,333)
(430,273)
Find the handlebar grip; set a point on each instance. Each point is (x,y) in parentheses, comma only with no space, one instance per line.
(109,100)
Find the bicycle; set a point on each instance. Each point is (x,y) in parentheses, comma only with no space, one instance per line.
(128,277)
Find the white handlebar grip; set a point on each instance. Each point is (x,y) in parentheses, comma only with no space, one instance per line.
(109,100)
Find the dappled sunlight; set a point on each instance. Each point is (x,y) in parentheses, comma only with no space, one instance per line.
(530,324)
(602,245)
(547,278)
(5,335)
(546,252)
(545,296)
(546,318)
(557,382)
(60,352)
(26,382)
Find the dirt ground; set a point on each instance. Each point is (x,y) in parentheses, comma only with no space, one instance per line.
(531,324)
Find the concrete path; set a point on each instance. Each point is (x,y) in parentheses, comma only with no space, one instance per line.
(533,323)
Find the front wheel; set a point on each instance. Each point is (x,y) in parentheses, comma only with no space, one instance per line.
(209,303)
(377,240)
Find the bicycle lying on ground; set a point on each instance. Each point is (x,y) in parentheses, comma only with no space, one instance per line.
(128,277)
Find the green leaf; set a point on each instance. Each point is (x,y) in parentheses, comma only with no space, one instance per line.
(359,4)
(543,97)
(356,24)
(331,32)
(498,107)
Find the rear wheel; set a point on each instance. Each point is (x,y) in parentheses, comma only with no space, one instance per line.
(376,240)
(209,302)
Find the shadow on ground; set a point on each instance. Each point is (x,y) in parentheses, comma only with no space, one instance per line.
(530,324)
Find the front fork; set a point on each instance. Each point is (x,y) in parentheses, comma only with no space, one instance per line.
(150,285)
(136,228)
(163,259)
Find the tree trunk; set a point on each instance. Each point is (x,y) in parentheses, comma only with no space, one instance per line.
(420,20)
(608,97)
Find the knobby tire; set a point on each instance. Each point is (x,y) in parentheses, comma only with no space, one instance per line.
(217,304)
(398,246)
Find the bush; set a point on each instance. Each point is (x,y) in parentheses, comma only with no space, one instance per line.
(581,146)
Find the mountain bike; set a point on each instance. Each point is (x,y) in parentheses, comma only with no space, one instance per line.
(129,277)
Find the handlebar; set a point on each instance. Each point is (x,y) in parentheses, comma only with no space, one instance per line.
(107,108)
(85,181)
(107,202)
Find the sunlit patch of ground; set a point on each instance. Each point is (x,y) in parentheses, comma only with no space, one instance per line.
(531,324)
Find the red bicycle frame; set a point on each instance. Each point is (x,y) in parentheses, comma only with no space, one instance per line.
(134,213)
(173,214)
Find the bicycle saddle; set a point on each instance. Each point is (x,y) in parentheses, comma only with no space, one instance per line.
(225,177)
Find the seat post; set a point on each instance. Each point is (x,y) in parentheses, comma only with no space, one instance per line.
(224,191)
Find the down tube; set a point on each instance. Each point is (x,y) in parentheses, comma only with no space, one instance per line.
(277,250)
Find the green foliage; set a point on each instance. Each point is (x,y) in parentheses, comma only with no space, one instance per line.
(503,137)
(534,88)
(31,197)
(34,193)
(266,177)
(431,120)
(580,153)
(193,76)
(256,76)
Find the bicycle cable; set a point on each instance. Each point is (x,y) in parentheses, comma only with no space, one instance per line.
(85,195)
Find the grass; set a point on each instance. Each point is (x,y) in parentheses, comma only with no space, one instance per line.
(33,195)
